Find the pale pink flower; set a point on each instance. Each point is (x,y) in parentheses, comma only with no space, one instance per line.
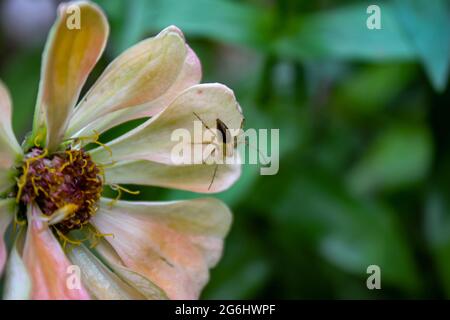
(50,186)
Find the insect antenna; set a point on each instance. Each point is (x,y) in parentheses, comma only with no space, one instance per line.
(213,177)
(206,126)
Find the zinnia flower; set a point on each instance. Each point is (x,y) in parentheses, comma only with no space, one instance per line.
(51,185)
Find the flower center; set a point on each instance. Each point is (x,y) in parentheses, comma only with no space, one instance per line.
(65,185)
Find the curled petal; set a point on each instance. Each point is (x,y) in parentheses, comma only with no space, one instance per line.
(154,139)
(10,150)
(47,264)
(144,75)
(74,45)
(197,178)
(145,287)
(173,244)
(102,283)
(136,280)
(7,210)
(190,75)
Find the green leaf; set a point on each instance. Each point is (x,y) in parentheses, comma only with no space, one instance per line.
(437,232)
(427,24)
(343,34)
(372,88)
(349,232)
(400,156)
(131,29)
(227,21)
(243,270)
(21,75)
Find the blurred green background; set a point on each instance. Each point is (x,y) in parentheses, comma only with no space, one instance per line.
(364,134)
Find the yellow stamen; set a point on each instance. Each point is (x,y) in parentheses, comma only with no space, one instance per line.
(107,148)
(119,190)
(96,235)
(36,140)
(66,239)
(107,165)
(117,187)
(70,156)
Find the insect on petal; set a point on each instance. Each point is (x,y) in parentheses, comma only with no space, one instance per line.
(153,139)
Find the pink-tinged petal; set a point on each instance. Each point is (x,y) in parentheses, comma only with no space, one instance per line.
(7,210)
(140,76)
(196,178)
(47,264)
(173,244)
(153,140)
(190,74)
(72,50)
(10,150)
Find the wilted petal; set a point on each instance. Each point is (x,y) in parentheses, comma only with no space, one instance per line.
(18,280)
(197,178)
(102,283)
(47,264)
(7,210)
(139,282)
(141,75)
(190,75)
(136,280)
(173,244)
(153,140)
(10,150)
(70,54)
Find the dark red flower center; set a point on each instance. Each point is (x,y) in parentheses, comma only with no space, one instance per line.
(67,183)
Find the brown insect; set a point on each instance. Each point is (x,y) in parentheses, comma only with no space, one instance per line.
(228,143)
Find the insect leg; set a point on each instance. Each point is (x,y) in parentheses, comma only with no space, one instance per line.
(214,176)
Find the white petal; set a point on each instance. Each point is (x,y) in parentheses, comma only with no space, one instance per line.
(18,281)
(10,151)
(7,211)
(153,140)
(197,178)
